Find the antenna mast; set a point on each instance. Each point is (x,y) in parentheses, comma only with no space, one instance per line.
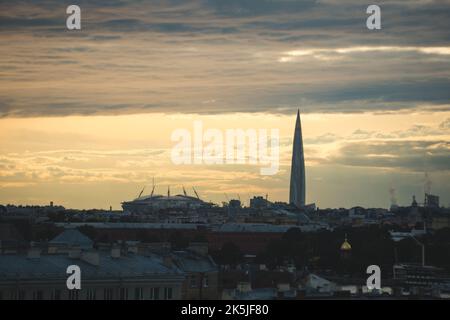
(196,193)
(153,189)
(140,194)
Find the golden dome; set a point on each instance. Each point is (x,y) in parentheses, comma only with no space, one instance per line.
(346,246)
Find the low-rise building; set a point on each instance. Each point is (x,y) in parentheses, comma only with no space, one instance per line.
(202,273)
(104,276)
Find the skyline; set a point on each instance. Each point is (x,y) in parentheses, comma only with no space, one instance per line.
(86,116)
(110,165)
(297,187)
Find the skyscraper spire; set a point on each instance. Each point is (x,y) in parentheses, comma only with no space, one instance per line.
(297,189)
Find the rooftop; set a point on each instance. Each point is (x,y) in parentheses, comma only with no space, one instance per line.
(226,227)
(192,262)
(73,237)
(54,266)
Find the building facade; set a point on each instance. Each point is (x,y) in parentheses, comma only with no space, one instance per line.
(103,277)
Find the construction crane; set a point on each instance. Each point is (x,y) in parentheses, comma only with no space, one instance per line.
(196,193)
(153,188)
(140,194)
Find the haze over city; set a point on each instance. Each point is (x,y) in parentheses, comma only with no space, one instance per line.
(86,116)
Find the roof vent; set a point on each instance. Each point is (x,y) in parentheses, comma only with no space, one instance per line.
(115,253)
(92,258)
(75,253)
(34,253)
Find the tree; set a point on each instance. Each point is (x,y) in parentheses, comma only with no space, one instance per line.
(230,254)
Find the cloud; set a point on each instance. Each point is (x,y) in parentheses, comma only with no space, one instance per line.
(414,131)
(245,55)
(324,138)
(420,156)
(334,53)
(445,125)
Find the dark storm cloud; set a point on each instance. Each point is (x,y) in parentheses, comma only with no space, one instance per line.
(233,52)
(135,25)
(407,155)
(258,7)
(329,18)
(12,23)
(427,90)
(75,108)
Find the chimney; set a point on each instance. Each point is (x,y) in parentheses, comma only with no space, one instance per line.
(200,248)
(75,253)
(244,286)
(133,249)
(91,257)
(167,261)
(34,253)
(115,253)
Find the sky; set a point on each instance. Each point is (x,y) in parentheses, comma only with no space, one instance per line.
(86,116)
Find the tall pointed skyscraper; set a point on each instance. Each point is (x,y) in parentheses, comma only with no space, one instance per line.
(297,189)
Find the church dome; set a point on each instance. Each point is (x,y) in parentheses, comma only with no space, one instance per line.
(346,246)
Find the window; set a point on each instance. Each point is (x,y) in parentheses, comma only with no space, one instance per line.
(108,294)
(18,295)
(167,293)
(193,282)
(38,295)
(154,294)
(73,294)
(56,294)
(138,294)
(123,293)
(91,294)
(205,281)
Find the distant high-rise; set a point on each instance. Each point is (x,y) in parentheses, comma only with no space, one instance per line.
(297,188)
